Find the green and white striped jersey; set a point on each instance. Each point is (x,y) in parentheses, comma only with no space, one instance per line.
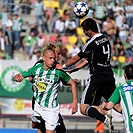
(124,94)
(46,84)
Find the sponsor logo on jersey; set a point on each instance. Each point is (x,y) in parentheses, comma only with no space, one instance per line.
(101,41)
(40,86)
(128,88)
(44,80)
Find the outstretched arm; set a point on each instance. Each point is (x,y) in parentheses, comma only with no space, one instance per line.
(74,104)
(71,62)
(79,66)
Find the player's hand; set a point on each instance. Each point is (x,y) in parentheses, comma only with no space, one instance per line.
(77,81)
(74,107)
(69,71)
(18,78)
(59,66)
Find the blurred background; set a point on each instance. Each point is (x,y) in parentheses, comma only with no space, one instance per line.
(24,30)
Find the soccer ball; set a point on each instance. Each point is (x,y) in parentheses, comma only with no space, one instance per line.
(81,9)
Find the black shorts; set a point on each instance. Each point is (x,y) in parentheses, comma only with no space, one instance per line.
(98,86)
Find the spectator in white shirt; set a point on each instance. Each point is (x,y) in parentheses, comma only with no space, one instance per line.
(40,41)
(70,27)
(74,50)
(2,44)
(60,26)
(123,30)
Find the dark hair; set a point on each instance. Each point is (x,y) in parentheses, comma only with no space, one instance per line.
(129,71)
(91,24)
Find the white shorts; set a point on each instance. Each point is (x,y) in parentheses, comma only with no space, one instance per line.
(49,115)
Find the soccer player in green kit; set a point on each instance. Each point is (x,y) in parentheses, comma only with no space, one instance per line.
(124,95)
(46,79)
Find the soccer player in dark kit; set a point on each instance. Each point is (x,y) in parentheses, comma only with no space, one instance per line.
(101,83)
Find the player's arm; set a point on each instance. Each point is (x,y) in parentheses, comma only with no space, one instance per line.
(74,105)
(79,66)
(66,78)
(19,77)
(72,61)
(114,101)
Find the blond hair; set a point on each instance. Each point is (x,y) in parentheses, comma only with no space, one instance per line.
(50,45)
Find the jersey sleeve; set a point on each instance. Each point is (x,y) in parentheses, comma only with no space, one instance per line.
(115,97)
(63,76)
(29,72)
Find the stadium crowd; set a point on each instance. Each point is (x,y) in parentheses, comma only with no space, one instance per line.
(57,22)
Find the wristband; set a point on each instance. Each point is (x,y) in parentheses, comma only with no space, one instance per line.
(64,66)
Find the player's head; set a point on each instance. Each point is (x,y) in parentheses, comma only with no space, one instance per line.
(55,47)
(129,72)
(90,25)
(48,58)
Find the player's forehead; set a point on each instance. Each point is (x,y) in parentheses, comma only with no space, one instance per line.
(49,52)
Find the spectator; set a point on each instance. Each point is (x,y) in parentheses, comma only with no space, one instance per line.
(17,23)
(10,6)
(70,27)
(54,18)
(131,37)
(40,9)
(113,52)
(65,55)
(47,21)
(33,28)
(16,8)
(66,5)
(2,43)
(79,42)
(60,26)
(118,21)
(118,8)
(65,15)
(59,40)
(25,6)
(9,22)
(9,37)
(123,30)
(109,27)
(100,11)
(110,6)
(74,50)
(29,43)
(91,9)
(4,19)
(129,13)
(40,41)
(36,55)
(128,48)
(119,47)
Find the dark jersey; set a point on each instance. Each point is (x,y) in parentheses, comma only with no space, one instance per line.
(97,51)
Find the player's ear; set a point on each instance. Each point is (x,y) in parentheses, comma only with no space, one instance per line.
(125,76)
(43,58)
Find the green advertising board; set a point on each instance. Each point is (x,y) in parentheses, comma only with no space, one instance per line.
(12,89)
